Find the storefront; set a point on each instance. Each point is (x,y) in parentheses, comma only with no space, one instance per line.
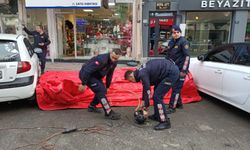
(206,23)
(83,29)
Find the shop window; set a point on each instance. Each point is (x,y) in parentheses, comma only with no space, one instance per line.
(35,18)
(95,31)
(247,36)
(206,30)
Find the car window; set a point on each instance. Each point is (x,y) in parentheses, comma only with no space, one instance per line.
(9,51)
(244,56)
(28,46)
(221,54)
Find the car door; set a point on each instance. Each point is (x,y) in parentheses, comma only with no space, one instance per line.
(33,56)
(210,72)
(236,81)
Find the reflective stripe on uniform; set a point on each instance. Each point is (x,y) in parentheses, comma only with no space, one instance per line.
(176,99)
(161,113)
(106,105)
(186,63)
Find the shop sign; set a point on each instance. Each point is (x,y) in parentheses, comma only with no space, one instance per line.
(162,22)
(185,5)
(163,5)
(225,3)
(63,3)
(124,1)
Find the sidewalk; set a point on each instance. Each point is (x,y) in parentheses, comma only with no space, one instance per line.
(62,66)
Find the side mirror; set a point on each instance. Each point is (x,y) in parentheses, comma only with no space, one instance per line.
(201,57)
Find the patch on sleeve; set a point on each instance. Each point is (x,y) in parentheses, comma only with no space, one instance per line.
(186,46)
(97,63)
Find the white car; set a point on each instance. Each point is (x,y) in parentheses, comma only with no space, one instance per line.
(224,73)
(19,68)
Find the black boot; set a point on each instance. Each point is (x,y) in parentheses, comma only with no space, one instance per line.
(170,110)
(179,106)
(153,117)
(42,72)
(113,116)
(163,125)
(93,109)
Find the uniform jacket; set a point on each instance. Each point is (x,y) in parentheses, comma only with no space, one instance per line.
(98,67)
(39,38)
(152,73)
(178,51)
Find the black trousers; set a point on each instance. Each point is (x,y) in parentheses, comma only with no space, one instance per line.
(97,86)
(42,58)
(160,91)
(176,94)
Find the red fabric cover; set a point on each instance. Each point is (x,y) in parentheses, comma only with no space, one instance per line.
(59,90)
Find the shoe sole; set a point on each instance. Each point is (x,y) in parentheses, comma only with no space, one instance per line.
(162,128)
(107,117)
(98,112)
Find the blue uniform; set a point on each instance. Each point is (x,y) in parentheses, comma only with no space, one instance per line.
(162,74)
(178,52)
(40,38)
(91,74)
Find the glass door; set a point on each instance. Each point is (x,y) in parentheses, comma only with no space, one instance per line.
(159,31)
(65,35)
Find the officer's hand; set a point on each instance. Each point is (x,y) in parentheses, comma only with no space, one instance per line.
(145,112)
(81,88)
(41,44)
(182,74)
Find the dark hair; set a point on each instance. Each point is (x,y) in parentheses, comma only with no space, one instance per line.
(40,26)
(117,51)
(127,74)
(176,28)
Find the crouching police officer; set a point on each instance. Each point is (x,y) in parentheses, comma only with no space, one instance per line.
(162,74)
(91,75)
(178,52)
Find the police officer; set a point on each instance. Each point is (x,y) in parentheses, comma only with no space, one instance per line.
(178,52)
(41,40)
(162,74)
(91,75)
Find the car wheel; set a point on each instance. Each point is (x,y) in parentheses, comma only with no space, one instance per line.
(32,100)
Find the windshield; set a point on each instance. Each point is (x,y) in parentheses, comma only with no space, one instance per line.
(9,51)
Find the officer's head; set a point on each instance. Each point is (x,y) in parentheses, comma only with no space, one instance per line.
(176,32)
(129,75)
(115,54)
(39,28)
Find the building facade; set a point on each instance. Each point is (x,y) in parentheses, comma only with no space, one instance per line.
(205,23)
(141,28)
(83,29)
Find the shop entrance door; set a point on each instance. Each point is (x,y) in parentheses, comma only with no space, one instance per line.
(66,35)
(159,31)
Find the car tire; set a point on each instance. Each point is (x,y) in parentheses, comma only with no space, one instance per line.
(32,100)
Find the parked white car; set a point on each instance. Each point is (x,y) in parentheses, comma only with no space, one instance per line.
(224,73)
(19,68)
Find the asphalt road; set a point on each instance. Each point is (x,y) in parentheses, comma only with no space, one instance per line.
(207,125)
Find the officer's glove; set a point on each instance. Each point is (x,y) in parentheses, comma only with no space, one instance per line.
(81,88)
(145,112)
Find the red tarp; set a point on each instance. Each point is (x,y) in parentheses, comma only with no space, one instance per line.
(59,90)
